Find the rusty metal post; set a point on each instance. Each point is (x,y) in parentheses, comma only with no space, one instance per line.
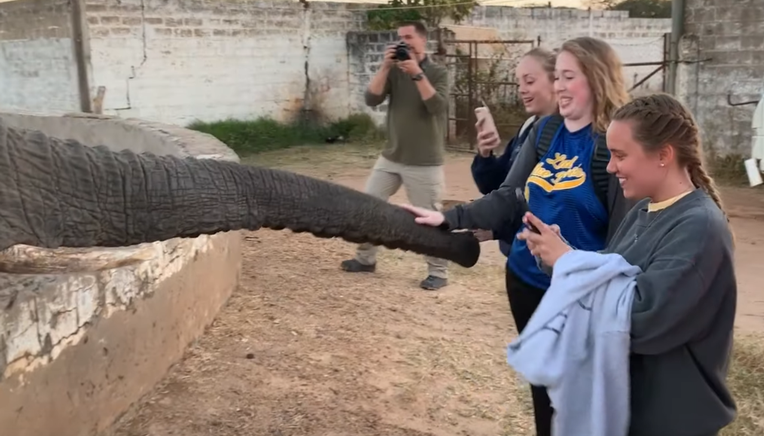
(471,91)
(79,46)
(665,58)
(678,21)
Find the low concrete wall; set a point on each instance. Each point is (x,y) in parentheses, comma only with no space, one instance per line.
(77,350)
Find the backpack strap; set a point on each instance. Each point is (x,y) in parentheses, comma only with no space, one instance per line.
(598,164)
(549,126)
(526,129)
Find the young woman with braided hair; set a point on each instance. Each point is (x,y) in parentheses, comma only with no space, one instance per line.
(685,298)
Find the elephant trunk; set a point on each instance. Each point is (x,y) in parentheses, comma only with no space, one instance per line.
(56,193)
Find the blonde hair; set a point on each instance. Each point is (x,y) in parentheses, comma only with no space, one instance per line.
(658,120)
(603,70)
(546,58)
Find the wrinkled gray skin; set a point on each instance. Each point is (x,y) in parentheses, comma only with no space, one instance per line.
(56,193)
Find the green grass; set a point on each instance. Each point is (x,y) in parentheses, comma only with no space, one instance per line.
(728,170)
(264,134)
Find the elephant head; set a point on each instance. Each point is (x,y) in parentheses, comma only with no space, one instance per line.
(60,193)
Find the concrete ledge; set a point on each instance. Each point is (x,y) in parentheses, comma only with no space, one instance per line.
(76,350)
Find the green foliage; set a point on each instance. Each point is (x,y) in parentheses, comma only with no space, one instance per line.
(430,12)
(357,128)
(264,134)
(490,80)
(637,8)
(728,170)
(645,8)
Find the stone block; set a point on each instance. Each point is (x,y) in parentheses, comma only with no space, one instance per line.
(75,346)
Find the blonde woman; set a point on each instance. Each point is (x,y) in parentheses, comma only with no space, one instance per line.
(535,75)
(561,169)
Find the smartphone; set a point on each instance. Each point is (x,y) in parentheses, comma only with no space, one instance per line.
(524,205)
(484,120)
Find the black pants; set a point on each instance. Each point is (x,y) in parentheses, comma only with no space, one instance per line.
(524,300)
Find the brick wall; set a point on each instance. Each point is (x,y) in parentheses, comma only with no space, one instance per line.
(365,54)
(37,67)
(634,40)
(177,61)
(726,38)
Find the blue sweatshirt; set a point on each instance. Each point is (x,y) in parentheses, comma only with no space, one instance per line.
(489,172)
(560,190)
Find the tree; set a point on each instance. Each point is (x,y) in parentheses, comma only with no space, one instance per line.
(636,8)
(430,12)
(645,8)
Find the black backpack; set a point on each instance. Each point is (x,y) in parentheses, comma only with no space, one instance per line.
(600,155)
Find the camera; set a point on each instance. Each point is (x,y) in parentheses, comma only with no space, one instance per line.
(402,52)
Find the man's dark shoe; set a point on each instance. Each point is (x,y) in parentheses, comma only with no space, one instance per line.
(355,266)
(433,283)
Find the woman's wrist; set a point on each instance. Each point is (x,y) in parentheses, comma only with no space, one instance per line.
(485,153)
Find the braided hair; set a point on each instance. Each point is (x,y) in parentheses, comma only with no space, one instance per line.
(659,120)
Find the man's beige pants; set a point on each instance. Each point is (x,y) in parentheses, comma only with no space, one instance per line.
(424,186)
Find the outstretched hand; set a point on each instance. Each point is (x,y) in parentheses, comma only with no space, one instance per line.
(424,216)
(547,244)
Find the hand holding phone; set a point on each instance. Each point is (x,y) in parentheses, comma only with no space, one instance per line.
(486,131)
(524,206)
(484,120)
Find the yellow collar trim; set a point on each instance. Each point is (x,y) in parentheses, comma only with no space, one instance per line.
(655,207)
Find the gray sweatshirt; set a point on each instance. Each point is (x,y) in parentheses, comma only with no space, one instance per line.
(682,316)
(577,344)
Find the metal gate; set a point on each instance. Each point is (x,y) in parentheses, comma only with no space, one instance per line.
(661,68)
(482,71)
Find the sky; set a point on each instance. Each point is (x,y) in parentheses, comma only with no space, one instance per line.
(566,3)
(569,3)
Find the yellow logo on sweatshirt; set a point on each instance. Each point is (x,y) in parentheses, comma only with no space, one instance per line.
(557,173)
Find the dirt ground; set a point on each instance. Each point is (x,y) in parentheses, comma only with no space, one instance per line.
(305,349)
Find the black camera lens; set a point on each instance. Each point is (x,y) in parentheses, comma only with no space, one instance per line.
(402,51)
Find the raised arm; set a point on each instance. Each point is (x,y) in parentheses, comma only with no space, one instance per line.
(498,209)
(379,87)
(378,90)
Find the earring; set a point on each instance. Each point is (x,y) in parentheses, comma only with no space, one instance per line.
(661,164)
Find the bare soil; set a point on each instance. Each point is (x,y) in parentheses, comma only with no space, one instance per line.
(304,349)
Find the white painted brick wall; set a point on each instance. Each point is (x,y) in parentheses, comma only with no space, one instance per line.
(172,63)
(37,68)
(176,62)
(39,75)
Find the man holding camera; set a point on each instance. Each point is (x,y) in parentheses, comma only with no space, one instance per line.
(417,92)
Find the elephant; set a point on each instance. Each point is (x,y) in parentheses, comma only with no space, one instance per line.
(60,193)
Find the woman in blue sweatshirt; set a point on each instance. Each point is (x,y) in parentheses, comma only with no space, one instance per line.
(535,75)
(561,168)
(685,298)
